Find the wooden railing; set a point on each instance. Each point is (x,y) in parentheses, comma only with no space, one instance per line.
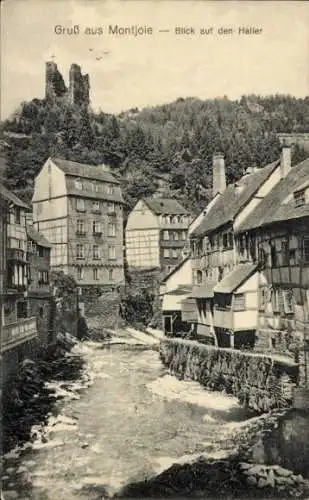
(18,332)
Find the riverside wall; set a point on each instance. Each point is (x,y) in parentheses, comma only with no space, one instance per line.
(260,382)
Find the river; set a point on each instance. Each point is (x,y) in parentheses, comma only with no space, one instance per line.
(133,421)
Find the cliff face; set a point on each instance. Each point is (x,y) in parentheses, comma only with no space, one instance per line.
(55,88)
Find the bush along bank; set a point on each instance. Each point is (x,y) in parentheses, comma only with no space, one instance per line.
(27,399)
(260,382)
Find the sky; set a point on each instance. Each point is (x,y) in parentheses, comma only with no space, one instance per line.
(159,68)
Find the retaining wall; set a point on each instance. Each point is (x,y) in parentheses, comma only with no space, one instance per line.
(260,382)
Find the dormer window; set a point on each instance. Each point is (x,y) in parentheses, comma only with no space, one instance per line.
(300,198)
(78,184)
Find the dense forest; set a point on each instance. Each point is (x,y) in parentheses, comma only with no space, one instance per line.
(176,140)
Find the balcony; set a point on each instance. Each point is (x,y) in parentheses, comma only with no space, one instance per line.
(80,234)
(17,333)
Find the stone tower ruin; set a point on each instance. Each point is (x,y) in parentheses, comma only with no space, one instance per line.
(55,89)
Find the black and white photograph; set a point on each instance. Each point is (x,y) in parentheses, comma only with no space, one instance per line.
(154,249)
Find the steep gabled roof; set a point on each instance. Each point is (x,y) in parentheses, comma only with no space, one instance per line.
(274,208)
(165,206)
(34,235)
(11,197)
(84,170)
(233,199)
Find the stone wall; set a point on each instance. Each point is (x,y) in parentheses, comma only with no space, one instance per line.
(102,310)
(284,343)
(260,382)
(42,308)
(147,280)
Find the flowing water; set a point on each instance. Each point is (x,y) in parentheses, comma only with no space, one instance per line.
(131,423)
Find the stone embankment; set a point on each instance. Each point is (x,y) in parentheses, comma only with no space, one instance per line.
(260,382)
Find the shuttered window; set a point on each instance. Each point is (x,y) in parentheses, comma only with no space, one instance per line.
(288,301)
(239,302)
(306,250)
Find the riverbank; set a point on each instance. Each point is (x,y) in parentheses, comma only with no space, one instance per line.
(187,441)
(230,472)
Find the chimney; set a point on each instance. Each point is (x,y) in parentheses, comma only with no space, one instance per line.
(285,161)
(218,173)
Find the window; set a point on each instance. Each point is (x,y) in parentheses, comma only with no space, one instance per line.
(306,250)
(79,251)
(111,252)
(183,235)
(288,301)
(111,229)
(80,228)
(275,300)
(299,198)
(95,273)
(41,251)
(227,240)
(96,206)
(166,253)
(239,302)
(199,277)
(41,312)
(95,252)
(22,309)
(176,236)
(223,300)
(174,254)
(43,278)
(166,235)
(80,205)
(78,184)
(96,227)
(17,215)
(285,252)
(111,274)
(262,298)
(111,208)
(110,189)
(273,255)
(80,273)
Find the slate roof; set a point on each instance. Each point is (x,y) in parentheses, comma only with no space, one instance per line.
(84,170)
(235,278)
(180,290)
(11,197)
(165,206)
(203,291)
(233,199)
(34,235)
(272,208)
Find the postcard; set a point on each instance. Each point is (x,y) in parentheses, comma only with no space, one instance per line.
(154,249)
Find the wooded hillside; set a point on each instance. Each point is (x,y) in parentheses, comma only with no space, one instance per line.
(176,139)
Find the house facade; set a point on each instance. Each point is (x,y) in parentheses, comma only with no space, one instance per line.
(19,327)
(225,273)
(39,293)
(79,209)
(278,230)
(175,287)
(156,234)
